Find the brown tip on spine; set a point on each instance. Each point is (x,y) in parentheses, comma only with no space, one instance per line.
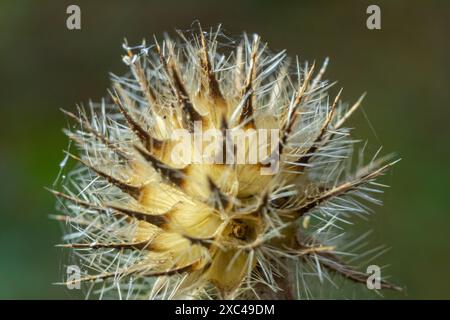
(190,115)
(315,146)
(228,147)
(175,176)
(144,84)
(187,268)
(213,84)
(223,200)
(157,220)
(247,92)
(86,126)
(142,245)
(137,270)
(287,128)
(333,263)
(342,188)
(146,139)
(133,191)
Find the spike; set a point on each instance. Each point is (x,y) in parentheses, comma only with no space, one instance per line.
(248,91)
(287,128)
(157,220)
(364,175)
(222,201)
(107,275)
(175,176)
(213,85)
(332,263)
(145,86)
(315,146)
(136,245)
(99,136)
(147,140)
(349,112)
(133,191)
(190,115)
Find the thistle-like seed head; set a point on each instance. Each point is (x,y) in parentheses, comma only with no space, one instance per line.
(244,215)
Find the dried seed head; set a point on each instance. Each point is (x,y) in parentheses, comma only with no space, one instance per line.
(223,223)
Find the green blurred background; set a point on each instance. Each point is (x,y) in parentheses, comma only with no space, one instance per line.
(404,68)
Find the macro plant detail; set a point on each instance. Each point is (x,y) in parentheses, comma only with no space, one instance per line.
(143,226)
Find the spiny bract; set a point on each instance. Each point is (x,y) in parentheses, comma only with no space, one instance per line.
(143,225)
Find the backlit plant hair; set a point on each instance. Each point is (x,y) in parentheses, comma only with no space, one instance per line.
(143,227)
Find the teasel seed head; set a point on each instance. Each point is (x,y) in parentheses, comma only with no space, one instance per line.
(143,225)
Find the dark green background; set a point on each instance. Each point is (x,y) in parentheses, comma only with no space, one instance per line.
(404,68)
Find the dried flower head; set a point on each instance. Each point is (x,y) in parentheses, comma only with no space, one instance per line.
(144,225)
